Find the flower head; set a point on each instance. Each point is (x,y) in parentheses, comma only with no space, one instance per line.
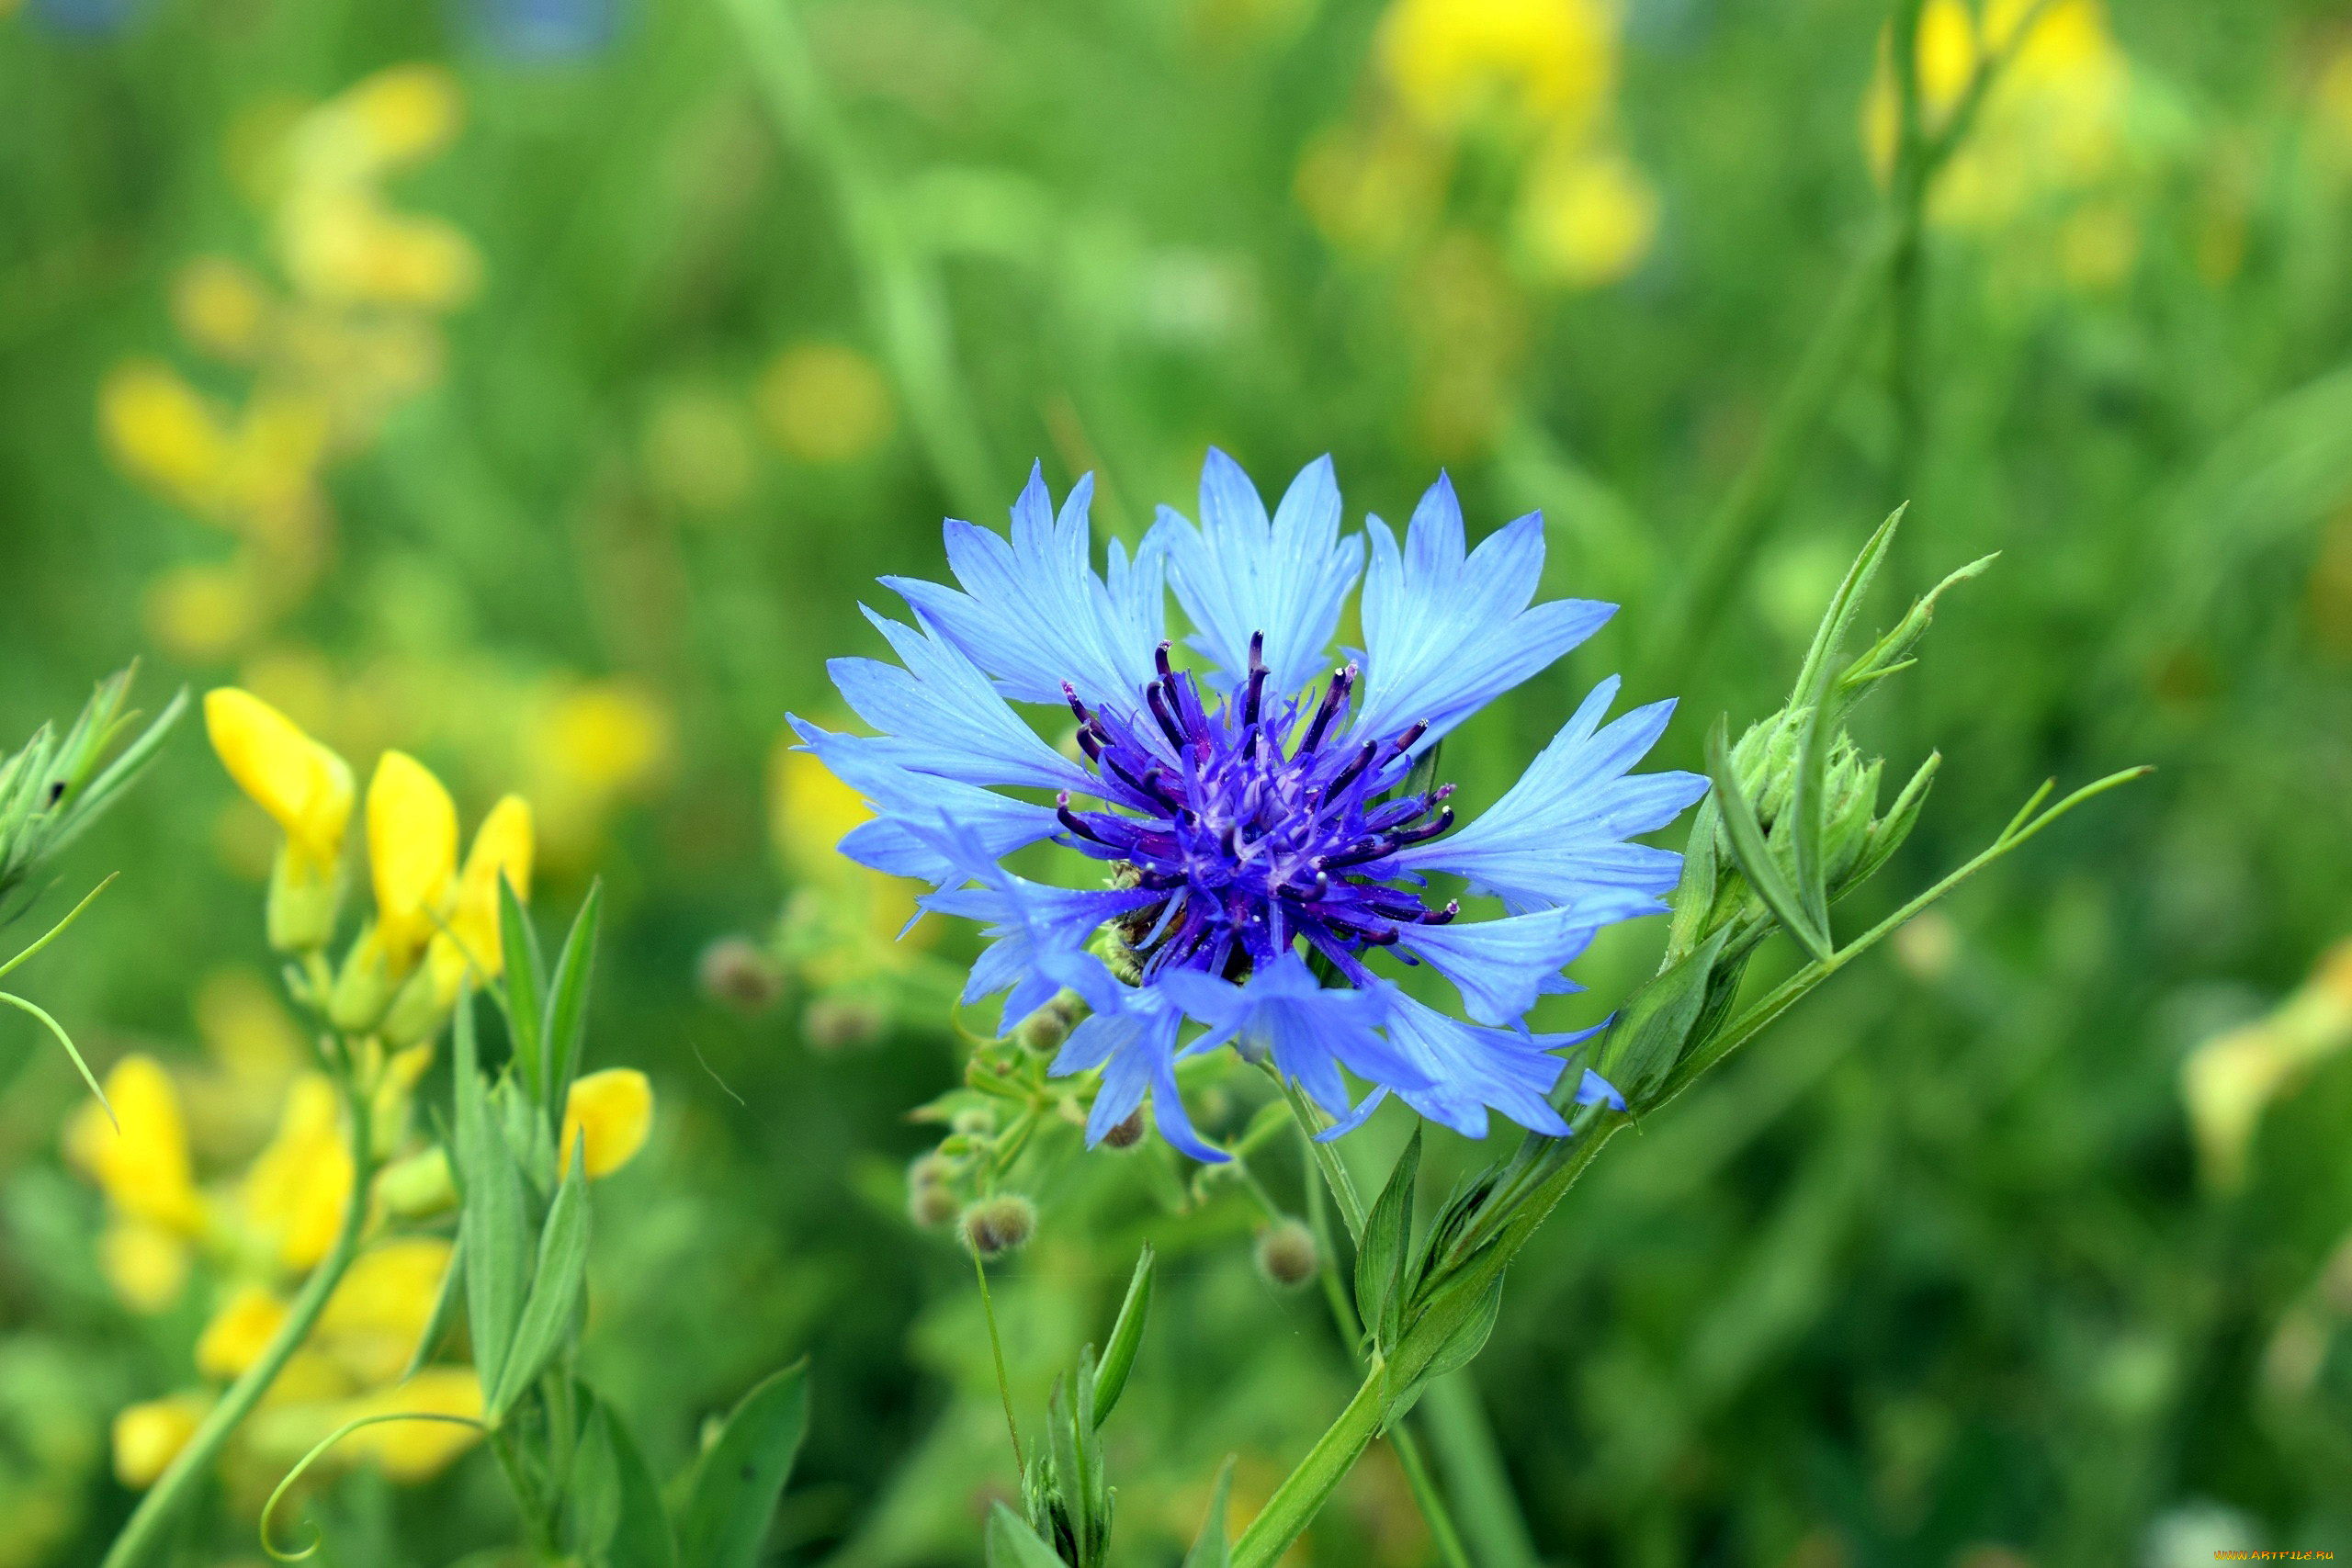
(305,788)
(1262,811)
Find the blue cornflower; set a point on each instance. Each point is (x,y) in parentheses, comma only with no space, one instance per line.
(1265,809)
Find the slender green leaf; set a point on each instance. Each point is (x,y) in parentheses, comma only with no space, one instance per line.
(1888,833)
(491,1223)
(1647,1037)
(1013,1544)
(567,1003)
(618,1517)
(66,1040)
(1807,818)
(1754,856)
(444,1308)
(1446,1337)
(1209,1548)
(1382,1259)
(526,984)
(1127,1337)
(556,1286)
(741,1475)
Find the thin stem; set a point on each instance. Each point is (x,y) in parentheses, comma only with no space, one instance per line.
(1343,1186)
(1465,1441)
(1303,1491)
(1417,1476)
(995,1346)
(58,930)
(1327,1260)
(905,303)
(144,1532)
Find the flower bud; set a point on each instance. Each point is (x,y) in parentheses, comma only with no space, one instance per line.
(975,1121)
(148,1437)
(419,1186)
(832,1023)
(736,972)
(364,987)
(419,1008)
(999,1224)
(1288,1255)
(1125,1135)
(930,1200)
(1043,1031)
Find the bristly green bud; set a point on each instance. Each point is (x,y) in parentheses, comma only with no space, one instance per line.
(831,1023)
(999,1225)
(1288,1256)
(1043,1031)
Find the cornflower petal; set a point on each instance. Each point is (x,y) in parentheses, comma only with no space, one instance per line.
(995,825)
(1239,574)
(1032,613)
(1134,1046)
(1309,1030)
(1477,1070)
(939,714)
(1557,836)
(1502,966)
(1445,633)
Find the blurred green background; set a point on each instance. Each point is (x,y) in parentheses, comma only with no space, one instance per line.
(546,406)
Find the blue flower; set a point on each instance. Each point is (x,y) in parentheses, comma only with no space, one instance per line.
(1268,840)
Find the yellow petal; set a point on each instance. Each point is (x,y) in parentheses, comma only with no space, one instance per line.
(1525,62)
(239,1332)
(144,1167)
(162,432)
(502,846)
(296,1188)
(609,1114)
(411,853)
(304,786)
(148,1437)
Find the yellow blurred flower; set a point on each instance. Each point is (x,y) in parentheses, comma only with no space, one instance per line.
(347,246)
(502,850)
(1586,217)
(305,787)
(143,1169)
(373,1321)
(1535,63)
(1372,189)
(826,403)
(399,117)
(412,854)
(147,1263)
(148,1437)
(2052,124)
(293,1194)
(204,611)
(240,1331)
(587,747)
(2229,1081)
(163,430)
(609,1115)
(222,307)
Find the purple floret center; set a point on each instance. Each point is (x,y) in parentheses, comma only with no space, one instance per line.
(1261,822)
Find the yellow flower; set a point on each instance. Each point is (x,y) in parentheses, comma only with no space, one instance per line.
(203,611)
(239,1332)
(304,788)
(220,307)
(398,117)
(418,1451)
(502,849)
(148,1437)
(162,431)
(146,1264)
(607,1114)
(1586,217)
(347,246)
(2229,1081)
(374,1319)
(1526,63)
(294,1190)
(412,854)
(143,1169)
(825,403)
(698,450)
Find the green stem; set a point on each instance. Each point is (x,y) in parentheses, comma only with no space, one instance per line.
(1304,1491)
(1342,1185)
(1473,1469)
(143,1535)
(995,1346)
(1417,1476)
(904,300)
